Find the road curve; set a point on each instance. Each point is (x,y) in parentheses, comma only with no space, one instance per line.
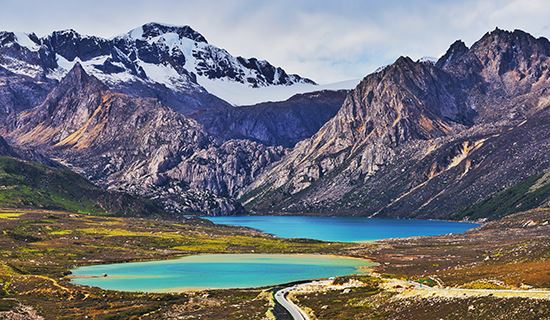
(294,310)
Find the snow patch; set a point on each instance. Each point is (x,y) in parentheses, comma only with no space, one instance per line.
(136,33)
(21,67)
(90,67)
(431,60)
(24,40)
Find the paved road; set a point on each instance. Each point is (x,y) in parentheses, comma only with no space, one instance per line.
(294,310)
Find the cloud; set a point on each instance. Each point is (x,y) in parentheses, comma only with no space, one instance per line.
(326,40)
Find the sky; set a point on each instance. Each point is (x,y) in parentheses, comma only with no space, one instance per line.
(327,41)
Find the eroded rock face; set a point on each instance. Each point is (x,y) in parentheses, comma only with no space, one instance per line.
(140,146)
(418,138)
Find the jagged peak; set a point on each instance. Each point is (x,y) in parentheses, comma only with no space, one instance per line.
(404,60)
(78,77)
(403,63)
(401,66)
(66,33)
(500,32)
(506,36)
(510,47)
(155,29)
(455,51)
(458,45)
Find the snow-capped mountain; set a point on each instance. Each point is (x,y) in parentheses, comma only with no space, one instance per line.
(177,58)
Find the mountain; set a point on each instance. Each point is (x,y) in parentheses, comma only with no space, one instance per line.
(153,60)
(424,139)
(138,145)
(177,66)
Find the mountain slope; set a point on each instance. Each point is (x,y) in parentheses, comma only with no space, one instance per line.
(139,146)
(533,192)
(26,184)
(418,139)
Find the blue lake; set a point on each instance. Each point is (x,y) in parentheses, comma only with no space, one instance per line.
(346,229)
(215,271)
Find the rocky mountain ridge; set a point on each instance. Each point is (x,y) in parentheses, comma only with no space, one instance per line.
(424,139)
(175,65)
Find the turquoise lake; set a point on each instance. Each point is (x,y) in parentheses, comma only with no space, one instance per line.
(215,271)
(346,229)
(256,270)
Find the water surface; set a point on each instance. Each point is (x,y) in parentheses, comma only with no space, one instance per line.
(215,271)
(346,229)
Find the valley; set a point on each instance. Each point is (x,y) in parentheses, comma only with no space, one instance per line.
(155,175)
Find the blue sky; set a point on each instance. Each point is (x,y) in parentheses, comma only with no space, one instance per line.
(327,41)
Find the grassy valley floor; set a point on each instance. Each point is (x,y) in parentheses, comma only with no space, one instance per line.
(38,248)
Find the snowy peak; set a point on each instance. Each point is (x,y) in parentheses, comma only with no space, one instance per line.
(181,47)
(152,30)
(154,57)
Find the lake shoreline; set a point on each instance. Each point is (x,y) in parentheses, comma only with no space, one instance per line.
(285,268)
